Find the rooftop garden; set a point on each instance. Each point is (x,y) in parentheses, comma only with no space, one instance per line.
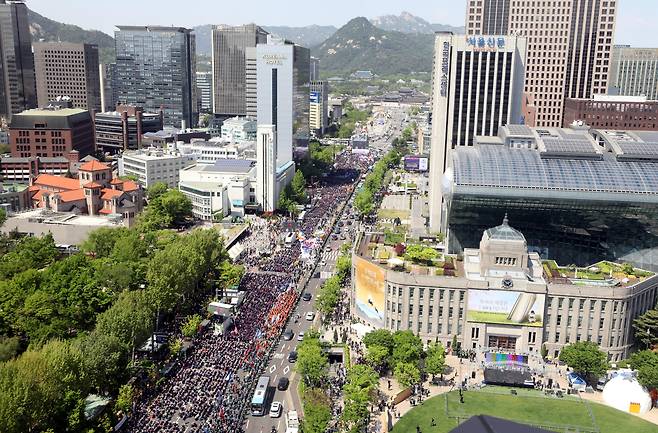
(412,258)
(603,271)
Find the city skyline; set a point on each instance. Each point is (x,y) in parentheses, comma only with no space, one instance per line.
(632,17)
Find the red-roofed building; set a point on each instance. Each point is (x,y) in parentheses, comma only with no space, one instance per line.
(94,192)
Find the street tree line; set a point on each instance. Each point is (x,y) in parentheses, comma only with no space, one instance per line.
(364,201)
(359,390)
(69,326)
(329,294)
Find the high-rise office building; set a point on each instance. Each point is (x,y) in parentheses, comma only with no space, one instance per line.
(318,118)
(204,89)
(266,170)
(250,91)
(156,69)
(17,83)
(108,79)
(229,45)
(314,69)
(478,87)
(569,46)
(634,72)
(283,93)
(66,69)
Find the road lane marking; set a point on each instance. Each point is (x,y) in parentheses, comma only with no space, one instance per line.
(272,369)
(286,369)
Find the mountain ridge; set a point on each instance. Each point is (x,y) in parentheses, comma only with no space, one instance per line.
(359,45)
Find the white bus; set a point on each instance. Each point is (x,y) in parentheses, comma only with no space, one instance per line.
(301,217)
(261,397)
(290,238)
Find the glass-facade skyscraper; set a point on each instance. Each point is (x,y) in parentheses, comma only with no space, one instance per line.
(229,47)
(156,69)
(17,82)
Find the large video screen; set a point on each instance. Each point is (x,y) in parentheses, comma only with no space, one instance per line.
(505,307)
(369,286)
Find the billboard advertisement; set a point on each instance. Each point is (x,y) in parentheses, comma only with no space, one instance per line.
(505,307)
(416,163)
(369,284)
(315,97)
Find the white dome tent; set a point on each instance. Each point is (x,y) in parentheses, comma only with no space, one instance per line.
(625,393)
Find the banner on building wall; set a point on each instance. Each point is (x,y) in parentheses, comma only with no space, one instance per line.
(369,286)
(505,307)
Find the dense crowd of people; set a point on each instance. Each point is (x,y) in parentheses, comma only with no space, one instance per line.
(209,389)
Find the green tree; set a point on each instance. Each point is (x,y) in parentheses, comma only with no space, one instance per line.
(156,190)
(407,374)
(407,347)
(30,252)
(230,274)
(421,254)
(124,400)
(286,201)
(106,357)
(435,361)
(190,327)
(328,295)
(298,186)
(359,392)
(364,202)
(317,411)
(377,356)
(9,347)
(174,205)
(100,243)
(646,328)
(312,362)
(646,364)
(585,358)
(3,217)
(379,337)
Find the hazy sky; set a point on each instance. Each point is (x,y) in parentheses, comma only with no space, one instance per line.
(636,19)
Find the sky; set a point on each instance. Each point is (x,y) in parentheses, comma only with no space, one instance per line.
(636,19)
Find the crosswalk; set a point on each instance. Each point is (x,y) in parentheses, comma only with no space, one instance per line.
(330,255)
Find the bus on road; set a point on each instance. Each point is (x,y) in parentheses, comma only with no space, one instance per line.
(260,400)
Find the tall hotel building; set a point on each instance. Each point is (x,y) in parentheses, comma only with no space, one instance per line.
(65,69)
(478,87)
(229,46)
(156,69)
(282,86)
(17,83)
(569,47)
(634,72)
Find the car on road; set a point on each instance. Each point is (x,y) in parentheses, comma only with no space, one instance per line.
(288,335)
(310,316)
(300,336)
(334,237)
(323,263)
(283,384)
(306,296)
(275,409)
(292,356)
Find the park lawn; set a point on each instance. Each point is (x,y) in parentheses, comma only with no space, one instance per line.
(517,408)
(393,213)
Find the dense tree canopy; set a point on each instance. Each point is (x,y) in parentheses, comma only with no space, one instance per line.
(585,358)
(82,316)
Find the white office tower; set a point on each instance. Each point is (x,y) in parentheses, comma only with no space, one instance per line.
(477,87)
(282,89)
(266,183)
